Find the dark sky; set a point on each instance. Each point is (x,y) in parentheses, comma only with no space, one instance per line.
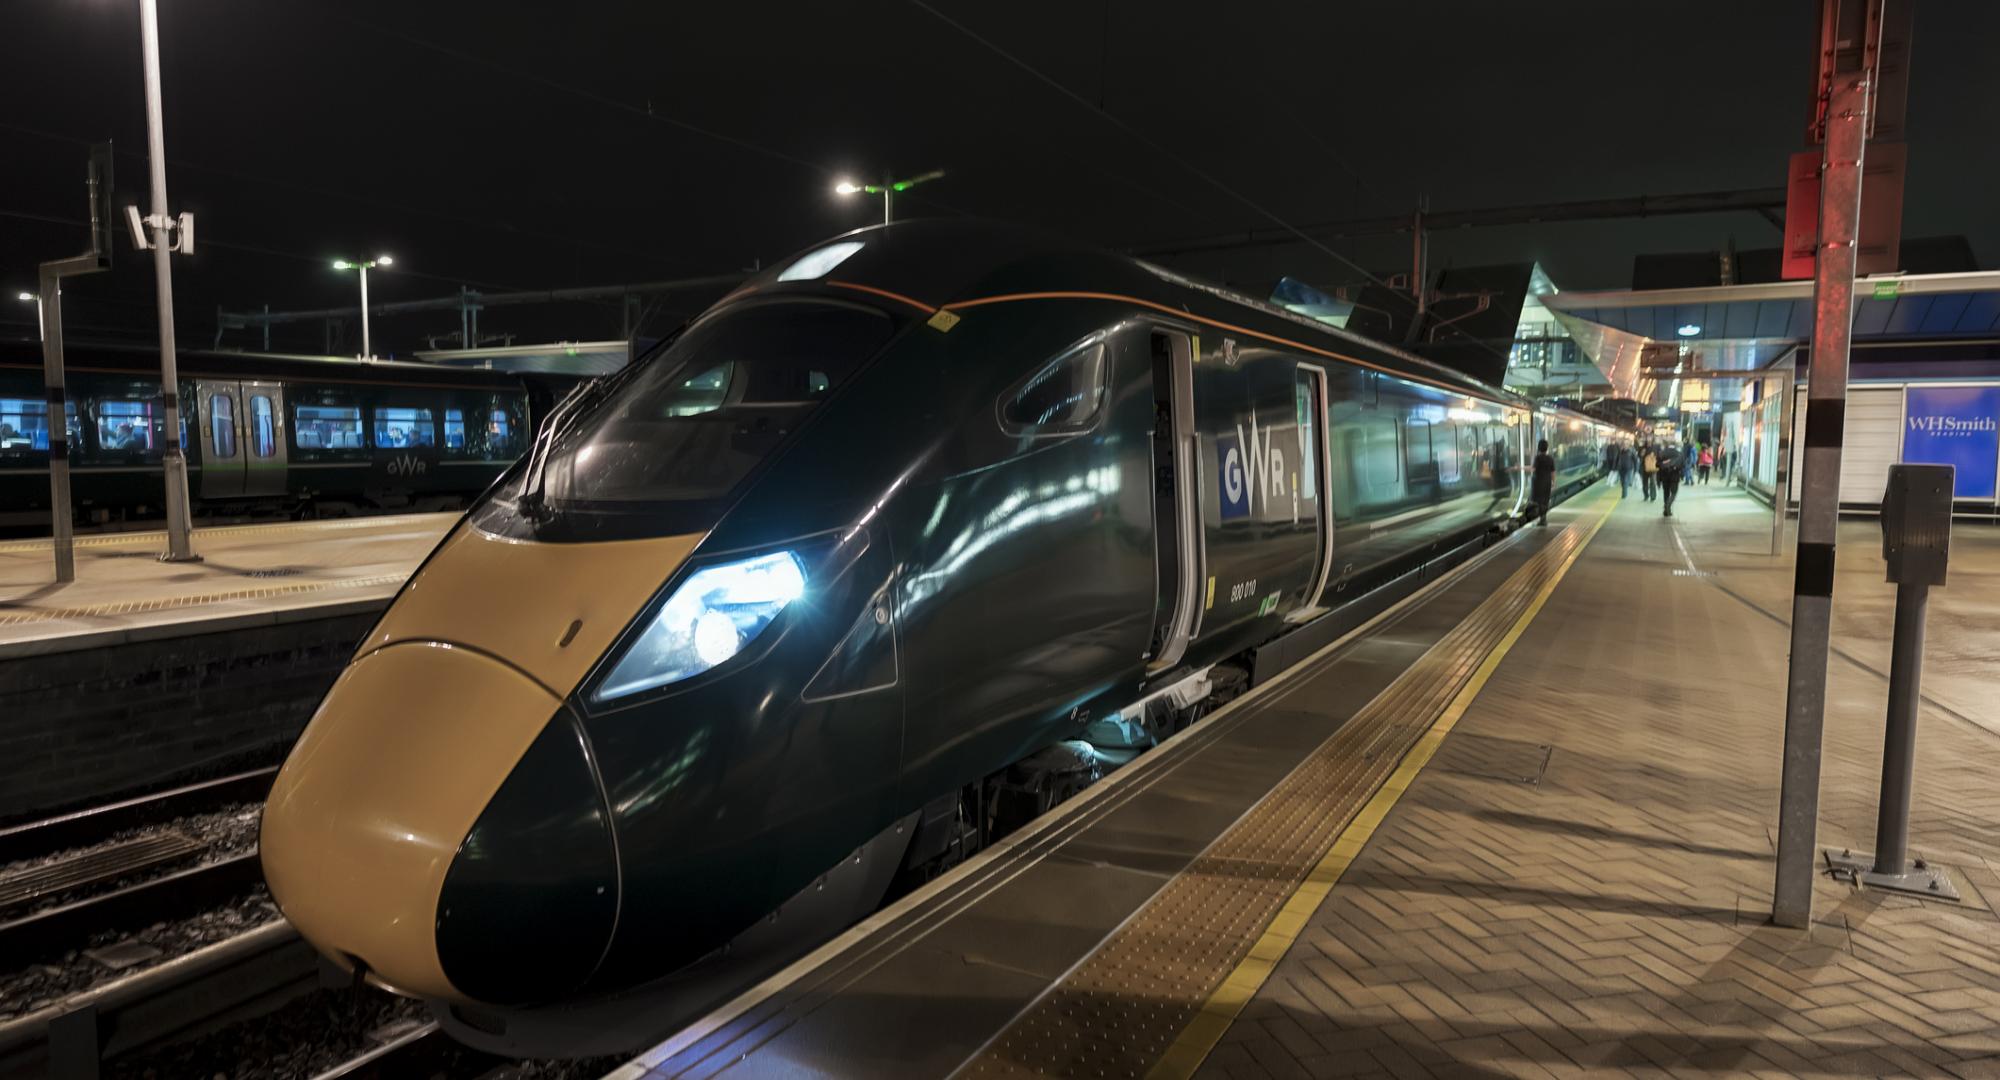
(515,145)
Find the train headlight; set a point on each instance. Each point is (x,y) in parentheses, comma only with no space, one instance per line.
(708,619)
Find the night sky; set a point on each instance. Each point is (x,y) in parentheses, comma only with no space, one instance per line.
(523,146)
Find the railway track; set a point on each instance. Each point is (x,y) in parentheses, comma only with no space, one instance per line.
(240,977)
(178,895)
(85,827)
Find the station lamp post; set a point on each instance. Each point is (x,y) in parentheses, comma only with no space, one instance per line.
(887,189)
(164,233)
(367,346)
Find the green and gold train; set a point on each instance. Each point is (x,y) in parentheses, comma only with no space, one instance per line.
(758,623)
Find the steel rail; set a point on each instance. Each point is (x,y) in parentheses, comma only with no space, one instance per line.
(230,979)
(173,896)
(82,827)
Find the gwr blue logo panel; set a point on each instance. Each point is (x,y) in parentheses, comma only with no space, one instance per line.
(1235,479)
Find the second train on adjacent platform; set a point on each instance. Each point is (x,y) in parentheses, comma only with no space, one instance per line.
(763,621)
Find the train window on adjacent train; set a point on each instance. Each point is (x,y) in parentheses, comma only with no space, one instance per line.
(1061,397)
(326,427)
(500,440)
(454,429)
(126,425)
(263,427)
(221,425)
(398,428)
(24,424)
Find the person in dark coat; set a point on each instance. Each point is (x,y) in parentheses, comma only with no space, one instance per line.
(1673,465)
(1544,489)
(1628,463)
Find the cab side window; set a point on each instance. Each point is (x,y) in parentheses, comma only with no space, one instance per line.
(1062,397)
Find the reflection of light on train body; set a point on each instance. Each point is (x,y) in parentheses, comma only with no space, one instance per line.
(1018,511)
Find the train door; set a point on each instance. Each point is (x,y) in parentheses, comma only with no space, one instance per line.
(220,408)
(263,441)
(1176,499)
(1315,478)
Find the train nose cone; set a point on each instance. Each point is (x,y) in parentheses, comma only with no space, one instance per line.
(398,792)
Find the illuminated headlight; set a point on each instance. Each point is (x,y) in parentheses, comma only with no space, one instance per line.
(712,615)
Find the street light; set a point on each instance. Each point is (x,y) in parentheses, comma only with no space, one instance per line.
(367,346)
(887,189)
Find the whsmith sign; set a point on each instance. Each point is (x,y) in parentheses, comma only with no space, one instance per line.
(1957,426)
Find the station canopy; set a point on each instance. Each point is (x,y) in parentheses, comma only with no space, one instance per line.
(1640,338)
(585,358)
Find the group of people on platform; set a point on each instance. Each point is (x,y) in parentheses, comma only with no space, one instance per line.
(1662,466)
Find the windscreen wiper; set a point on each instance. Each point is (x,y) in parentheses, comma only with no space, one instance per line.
(533,499)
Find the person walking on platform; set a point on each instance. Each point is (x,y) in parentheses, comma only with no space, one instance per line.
(1673,465)
(1627,464)
(1544,489)
(1649,471)
(1704,463)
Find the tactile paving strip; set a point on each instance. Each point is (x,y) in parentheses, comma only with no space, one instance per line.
(1116,1013)
(168,603)
(95,540)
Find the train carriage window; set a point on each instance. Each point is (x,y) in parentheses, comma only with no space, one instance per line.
(222,425)
(1446,445)
(127,426)
(263,427)
(1377,459)
(326,427)
(397,428)
(500,440)
(1306,399)
(1061,397)
(24,424)
(1418,463)
(454,429)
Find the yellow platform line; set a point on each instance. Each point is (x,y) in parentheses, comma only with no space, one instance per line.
(1199,1038)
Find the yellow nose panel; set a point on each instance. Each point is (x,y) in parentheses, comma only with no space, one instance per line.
(550,609)
(389,777)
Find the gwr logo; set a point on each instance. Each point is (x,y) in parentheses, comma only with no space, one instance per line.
(407,465)
(1251,478)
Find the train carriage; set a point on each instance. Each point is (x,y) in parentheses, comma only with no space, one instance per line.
(262,432)
(785,611)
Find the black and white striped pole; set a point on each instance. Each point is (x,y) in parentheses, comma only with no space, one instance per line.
(1819,486)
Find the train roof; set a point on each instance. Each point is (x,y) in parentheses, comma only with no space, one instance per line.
(934,264)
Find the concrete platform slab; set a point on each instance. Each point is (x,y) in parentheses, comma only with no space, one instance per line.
(249,575)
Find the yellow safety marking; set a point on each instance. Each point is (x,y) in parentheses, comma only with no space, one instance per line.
(1199,1038)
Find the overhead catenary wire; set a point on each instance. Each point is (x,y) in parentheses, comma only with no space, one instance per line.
(488,224)
(1143,138)
(646,111)
(1161,149)
(208,240)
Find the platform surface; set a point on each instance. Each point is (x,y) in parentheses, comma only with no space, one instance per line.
(1569,873)
(1611,918)
(248,574)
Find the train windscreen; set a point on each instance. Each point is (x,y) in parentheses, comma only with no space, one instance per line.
(697,419)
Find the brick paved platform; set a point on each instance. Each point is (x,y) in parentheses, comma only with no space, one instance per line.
(1579,883)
